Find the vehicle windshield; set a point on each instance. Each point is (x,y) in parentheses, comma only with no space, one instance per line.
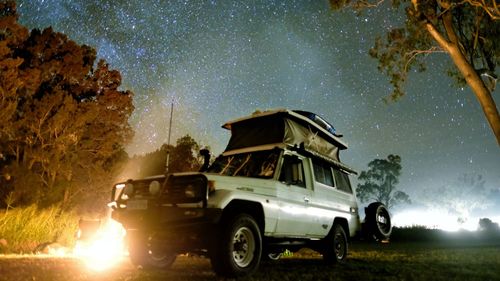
(258,164)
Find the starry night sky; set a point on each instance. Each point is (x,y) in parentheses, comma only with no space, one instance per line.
(219,60)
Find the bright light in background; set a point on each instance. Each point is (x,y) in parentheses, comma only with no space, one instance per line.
(105,249)
(433,219)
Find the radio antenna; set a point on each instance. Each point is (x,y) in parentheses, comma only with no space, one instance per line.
(168,140)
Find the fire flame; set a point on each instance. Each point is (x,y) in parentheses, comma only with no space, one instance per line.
(104,249)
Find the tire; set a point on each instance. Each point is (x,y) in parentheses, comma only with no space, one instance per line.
(378,221)
(238,247)
(336,247)
(141,255)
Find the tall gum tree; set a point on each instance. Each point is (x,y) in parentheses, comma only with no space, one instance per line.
(467,30)
(64,121)
(378,183)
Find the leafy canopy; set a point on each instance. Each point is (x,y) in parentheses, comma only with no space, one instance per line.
(63,120)
(184,157)
(468,31)
(379,182)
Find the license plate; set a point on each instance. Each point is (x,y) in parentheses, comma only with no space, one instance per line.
(137,205)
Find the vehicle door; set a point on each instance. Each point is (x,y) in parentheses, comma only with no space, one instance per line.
(294,196)
(332,197)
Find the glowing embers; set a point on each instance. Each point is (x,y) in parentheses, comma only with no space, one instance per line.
(103,248)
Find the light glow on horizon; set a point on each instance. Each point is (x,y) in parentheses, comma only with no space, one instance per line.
(434,219)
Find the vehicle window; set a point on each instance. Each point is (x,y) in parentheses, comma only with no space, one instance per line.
(323,172)
(258,164)
(342,181)
(292,171)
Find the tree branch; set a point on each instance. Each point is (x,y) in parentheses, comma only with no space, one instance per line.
(443,42)
(415,53)
(359,5)
(448,22)
(492,8)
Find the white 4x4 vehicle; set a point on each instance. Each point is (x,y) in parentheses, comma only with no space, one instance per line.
(278,186)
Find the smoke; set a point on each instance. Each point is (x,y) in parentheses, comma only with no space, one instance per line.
(457,204)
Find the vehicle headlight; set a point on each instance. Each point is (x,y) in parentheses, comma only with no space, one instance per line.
(154,187)
(190,191)
(128,191)
(117,191)
(211,186)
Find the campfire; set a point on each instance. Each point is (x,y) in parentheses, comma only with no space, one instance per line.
(100,244)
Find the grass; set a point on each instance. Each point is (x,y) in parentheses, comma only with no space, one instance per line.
(413,254)
(24,228)
(366,261)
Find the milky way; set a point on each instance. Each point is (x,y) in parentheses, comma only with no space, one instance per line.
(218,60)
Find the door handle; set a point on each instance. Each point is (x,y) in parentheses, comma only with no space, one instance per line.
(306,199)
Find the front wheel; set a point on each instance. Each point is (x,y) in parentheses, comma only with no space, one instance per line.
(335,249)
(141,254)
(238,247)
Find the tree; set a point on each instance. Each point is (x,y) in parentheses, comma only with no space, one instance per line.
(184,157)
(467,30)
(486,225)
(64,122)
(379,182)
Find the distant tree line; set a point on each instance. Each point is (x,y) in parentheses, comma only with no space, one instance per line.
(184,157)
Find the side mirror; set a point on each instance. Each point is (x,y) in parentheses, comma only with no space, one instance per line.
(291,172)
(206,159)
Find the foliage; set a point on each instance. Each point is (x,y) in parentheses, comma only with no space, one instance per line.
(184,157)
(468,31)
(486,225)
(25,228)
(380,180)
(63,121)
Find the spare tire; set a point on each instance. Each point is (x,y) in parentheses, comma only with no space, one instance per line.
(378,221)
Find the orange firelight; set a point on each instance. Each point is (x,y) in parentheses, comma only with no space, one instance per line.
(104,249)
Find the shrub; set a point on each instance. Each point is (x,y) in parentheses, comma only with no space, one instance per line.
(24,228)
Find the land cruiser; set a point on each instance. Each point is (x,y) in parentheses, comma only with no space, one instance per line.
(279,185)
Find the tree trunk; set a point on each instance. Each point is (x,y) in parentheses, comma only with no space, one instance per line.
(483,95)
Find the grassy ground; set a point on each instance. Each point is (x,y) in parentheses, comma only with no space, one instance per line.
(22,229)
(394,261)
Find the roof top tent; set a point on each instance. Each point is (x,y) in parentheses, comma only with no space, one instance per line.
(282,127)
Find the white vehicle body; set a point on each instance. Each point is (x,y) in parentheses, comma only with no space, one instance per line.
(278,186)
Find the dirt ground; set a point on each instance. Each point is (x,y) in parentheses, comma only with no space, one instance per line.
(365,262)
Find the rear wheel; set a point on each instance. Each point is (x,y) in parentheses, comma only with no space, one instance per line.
(238,247)
(335,249)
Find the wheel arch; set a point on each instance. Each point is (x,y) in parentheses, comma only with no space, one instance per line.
(345,225)
(254,209)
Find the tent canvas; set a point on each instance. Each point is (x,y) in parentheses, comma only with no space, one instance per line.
(286,127)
